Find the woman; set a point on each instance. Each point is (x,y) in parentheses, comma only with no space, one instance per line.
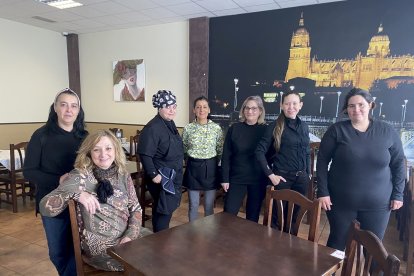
(286,144)
(365,180)
(239,174)
(161,151)
(50,156)
(203,145)
(109,207)
(125,77)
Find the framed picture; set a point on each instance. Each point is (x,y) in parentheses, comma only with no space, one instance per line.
(129,80)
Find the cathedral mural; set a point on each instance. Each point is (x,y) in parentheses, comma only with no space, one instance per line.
(320,51)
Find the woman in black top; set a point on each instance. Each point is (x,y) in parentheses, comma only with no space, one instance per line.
(239,174)
(286,145)
(365,180)
(50,155)
(162,154)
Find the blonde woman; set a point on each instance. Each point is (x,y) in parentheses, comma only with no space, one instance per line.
(109,206)
(241,176)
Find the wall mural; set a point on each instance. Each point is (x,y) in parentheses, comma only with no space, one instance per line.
(320,51)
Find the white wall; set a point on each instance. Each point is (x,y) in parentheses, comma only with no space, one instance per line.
(164,49)
(33,69)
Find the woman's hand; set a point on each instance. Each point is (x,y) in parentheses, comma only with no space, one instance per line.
(395,205)
(62,178)
(275,179)
(325,202)
(225,186)
(157,179)
(90,202)
(124,240)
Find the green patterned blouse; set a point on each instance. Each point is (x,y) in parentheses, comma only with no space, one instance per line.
(203,141)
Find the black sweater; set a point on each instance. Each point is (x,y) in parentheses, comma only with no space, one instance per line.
(367,168)
(294,152)
(238,159)
(50,154)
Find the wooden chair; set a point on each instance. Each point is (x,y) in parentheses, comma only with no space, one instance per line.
(408,226)
(13,180)
(314,148)
(144,197)
(133,146)
(293,199)
(364,242)
(82,268)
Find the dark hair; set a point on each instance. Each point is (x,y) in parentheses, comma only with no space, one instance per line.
(201,98)
(358,92)
(280,122)
(78,125)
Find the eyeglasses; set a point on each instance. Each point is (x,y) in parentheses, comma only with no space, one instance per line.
(359,105)
(173,107)
(253,109)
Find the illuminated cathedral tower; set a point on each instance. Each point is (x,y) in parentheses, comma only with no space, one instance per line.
(299,59)
(362,71)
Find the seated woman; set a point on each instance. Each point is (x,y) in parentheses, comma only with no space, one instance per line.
(109,206)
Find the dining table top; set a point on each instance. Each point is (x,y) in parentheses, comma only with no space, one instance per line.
(5,159)
(224,244)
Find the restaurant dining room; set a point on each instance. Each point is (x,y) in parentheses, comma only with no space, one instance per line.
(89,80)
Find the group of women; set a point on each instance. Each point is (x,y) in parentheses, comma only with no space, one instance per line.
(360,170)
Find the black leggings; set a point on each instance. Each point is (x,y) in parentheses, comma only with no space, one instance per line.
(235,195)
(340,220)
(159,221)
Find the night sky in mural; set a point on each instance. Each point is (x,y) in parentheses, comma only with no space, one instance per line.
(254,48)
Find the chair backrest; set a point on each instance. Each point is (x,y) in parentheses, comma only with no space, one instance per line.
(373,250)
(293,199)
(314,148)
(76,238)
(133,147)
(17,152)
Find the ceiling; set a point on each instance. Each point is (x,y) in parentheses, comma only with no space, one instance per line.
(105,15)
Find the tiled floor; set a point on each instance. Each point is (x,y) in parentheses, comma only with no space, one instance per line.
(23,247)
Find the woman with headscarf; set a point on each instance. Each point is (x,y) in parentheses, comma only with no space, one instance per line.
(161,152)
(109,209)
(50,156)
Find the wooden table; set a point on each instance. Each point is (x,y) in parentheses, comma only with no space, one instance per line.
(223,244)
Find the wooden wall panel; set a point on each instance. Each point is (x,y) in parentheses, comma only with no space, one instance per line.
(198,59)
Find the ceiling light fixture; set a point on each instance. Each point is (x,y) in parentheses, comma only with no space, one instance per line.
(61,4)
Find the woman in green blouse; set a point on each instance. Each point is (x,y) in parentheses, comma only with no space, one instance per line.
(203,145)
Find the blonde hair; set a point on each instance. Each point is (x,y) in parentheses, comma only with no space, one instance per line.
(84,160)
(259,102)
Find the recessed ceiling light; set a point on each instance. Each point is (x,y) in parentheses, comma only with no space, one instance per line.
(61,4)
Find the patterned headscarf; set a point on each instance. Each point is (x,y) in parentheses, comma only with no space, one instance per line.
(163,98)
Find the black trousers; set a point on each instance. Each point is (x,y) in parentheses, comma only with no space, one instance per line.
(235,195)
(340,219)
(298,183)
(159,221)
